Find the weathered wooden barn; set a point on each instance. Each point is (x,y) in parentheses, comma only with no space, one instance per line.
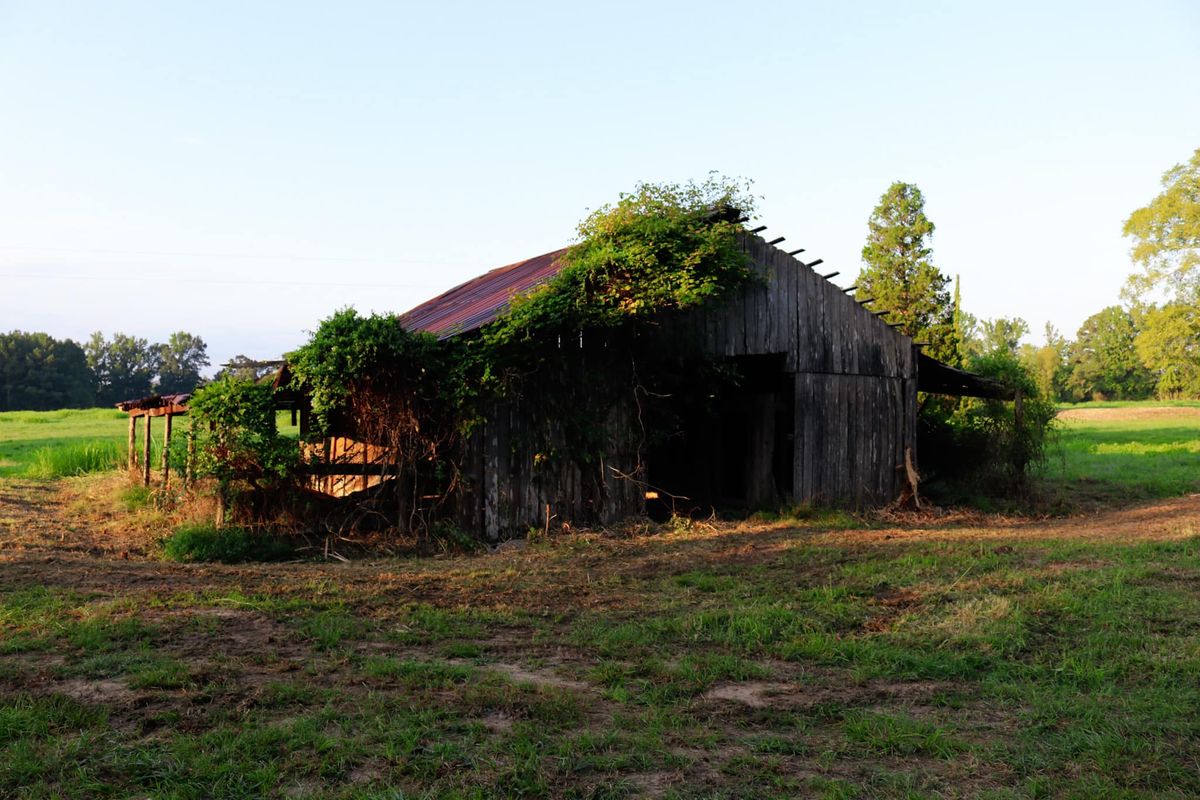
(825,411)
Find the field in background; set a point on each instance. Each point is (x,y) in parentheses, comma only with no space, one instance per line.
(30,437)
(24,433)
(1123,452)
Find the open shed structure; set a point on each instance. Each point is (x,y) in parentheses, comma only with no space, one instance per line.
(825,410)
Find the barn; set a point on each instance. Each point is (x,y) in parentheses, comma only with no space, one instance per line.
(824,410)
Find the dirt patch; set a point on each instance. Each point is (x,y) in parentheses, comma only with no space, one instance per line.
(537,678)
(1130,413)
(107,691)
(776,694)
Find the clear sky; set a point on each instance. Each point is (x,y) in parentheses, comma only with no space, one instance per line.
(242,170)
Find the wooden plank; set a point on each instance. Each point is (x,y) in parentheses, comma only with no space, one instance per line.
(146,454)
(132,459)
(166,451)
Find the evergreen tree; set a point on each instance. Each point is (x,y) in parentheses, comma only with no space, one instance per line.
(900,276)
(41,373)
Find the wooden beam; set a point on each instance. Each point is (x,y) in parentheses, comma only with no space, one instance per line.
(146,454)
(795,252)
(815,263)
(160,411)
(759,229)
(833,274)
(777,241)
(849,289)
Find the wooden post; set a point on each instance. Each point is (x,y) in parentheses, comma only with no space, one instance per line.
(146,455)
(166,453)
(189,464)
(132,442)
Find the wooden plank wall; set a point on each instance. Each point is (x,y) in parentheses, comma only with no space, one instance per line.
(513,485)
(855,376)
(349,453)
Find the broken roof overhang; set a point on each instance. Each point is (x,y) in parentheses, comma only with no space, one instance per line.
(155,401)
(937,378)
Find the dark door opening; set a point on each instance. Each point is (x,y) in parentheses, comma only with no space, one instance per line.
(732,453)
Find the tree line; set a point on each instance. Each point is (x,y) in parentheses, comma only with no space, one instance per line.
(1148,345)
(41,373)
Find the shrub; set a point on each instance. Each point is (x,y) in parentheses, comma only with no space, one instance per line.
(978,446)
(202,543)
(237,442)
(78,458)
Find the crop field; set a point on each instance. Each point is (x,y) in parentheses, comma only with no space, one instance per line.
(944,654)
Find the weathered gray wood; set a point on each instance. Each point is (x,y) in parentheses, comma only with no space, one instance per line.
(146,453)
(166,451)
(132,460)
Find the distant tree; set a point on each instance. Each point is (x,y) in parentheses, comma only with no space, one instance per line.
(1048,364)
(1169,345)
(180,362)
(244,368)
(40,373)
(1166,236)
(899,273)
(1004,334)
(123,367)
(1104,361)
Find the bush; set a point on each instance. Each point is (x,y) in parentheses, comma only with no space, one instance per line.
(78,458)
(203,543)
(974,446)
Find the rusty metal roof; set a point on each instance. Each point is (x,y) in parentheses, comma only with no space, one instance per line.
(154,401)
(480,300)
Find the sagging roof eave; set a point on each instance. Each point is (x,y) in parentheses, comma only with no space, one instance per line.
(937,378)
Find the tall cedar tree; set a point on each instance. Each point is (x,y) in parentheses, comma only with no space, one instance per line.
(900,276)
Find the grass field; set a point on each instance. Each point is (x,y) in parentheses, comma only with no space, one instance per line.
(944,655)
(1120,452)
(27,437)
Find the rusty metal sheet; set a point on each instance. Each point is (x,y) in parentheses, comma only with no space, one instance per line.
(480,300)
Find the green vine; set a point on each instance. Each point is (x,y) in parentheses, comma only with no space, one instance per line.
(569,352)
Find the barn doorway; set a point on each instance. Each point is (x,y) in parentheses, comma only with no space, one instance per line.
(732,453)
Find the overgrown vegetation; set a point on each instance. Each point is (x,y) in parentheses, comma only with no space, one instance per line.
(974,449)
(228,545)
(572,351)
(238,444)
(77,458)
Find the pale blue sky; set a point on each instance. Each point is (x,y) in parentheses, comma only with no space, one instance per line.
(241,170)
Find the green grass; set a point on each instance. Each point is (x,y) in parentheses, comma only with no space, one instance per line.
(31,439)
(74,458)
(199,543)
(53,444)
(1122,460)
(1048,659)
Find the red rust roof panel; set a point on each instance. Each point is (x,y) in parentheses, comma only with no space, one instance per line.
(480,300)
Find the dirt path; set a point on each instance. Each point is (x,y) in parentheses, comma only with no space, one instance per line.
(57,536)
(1119,414)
